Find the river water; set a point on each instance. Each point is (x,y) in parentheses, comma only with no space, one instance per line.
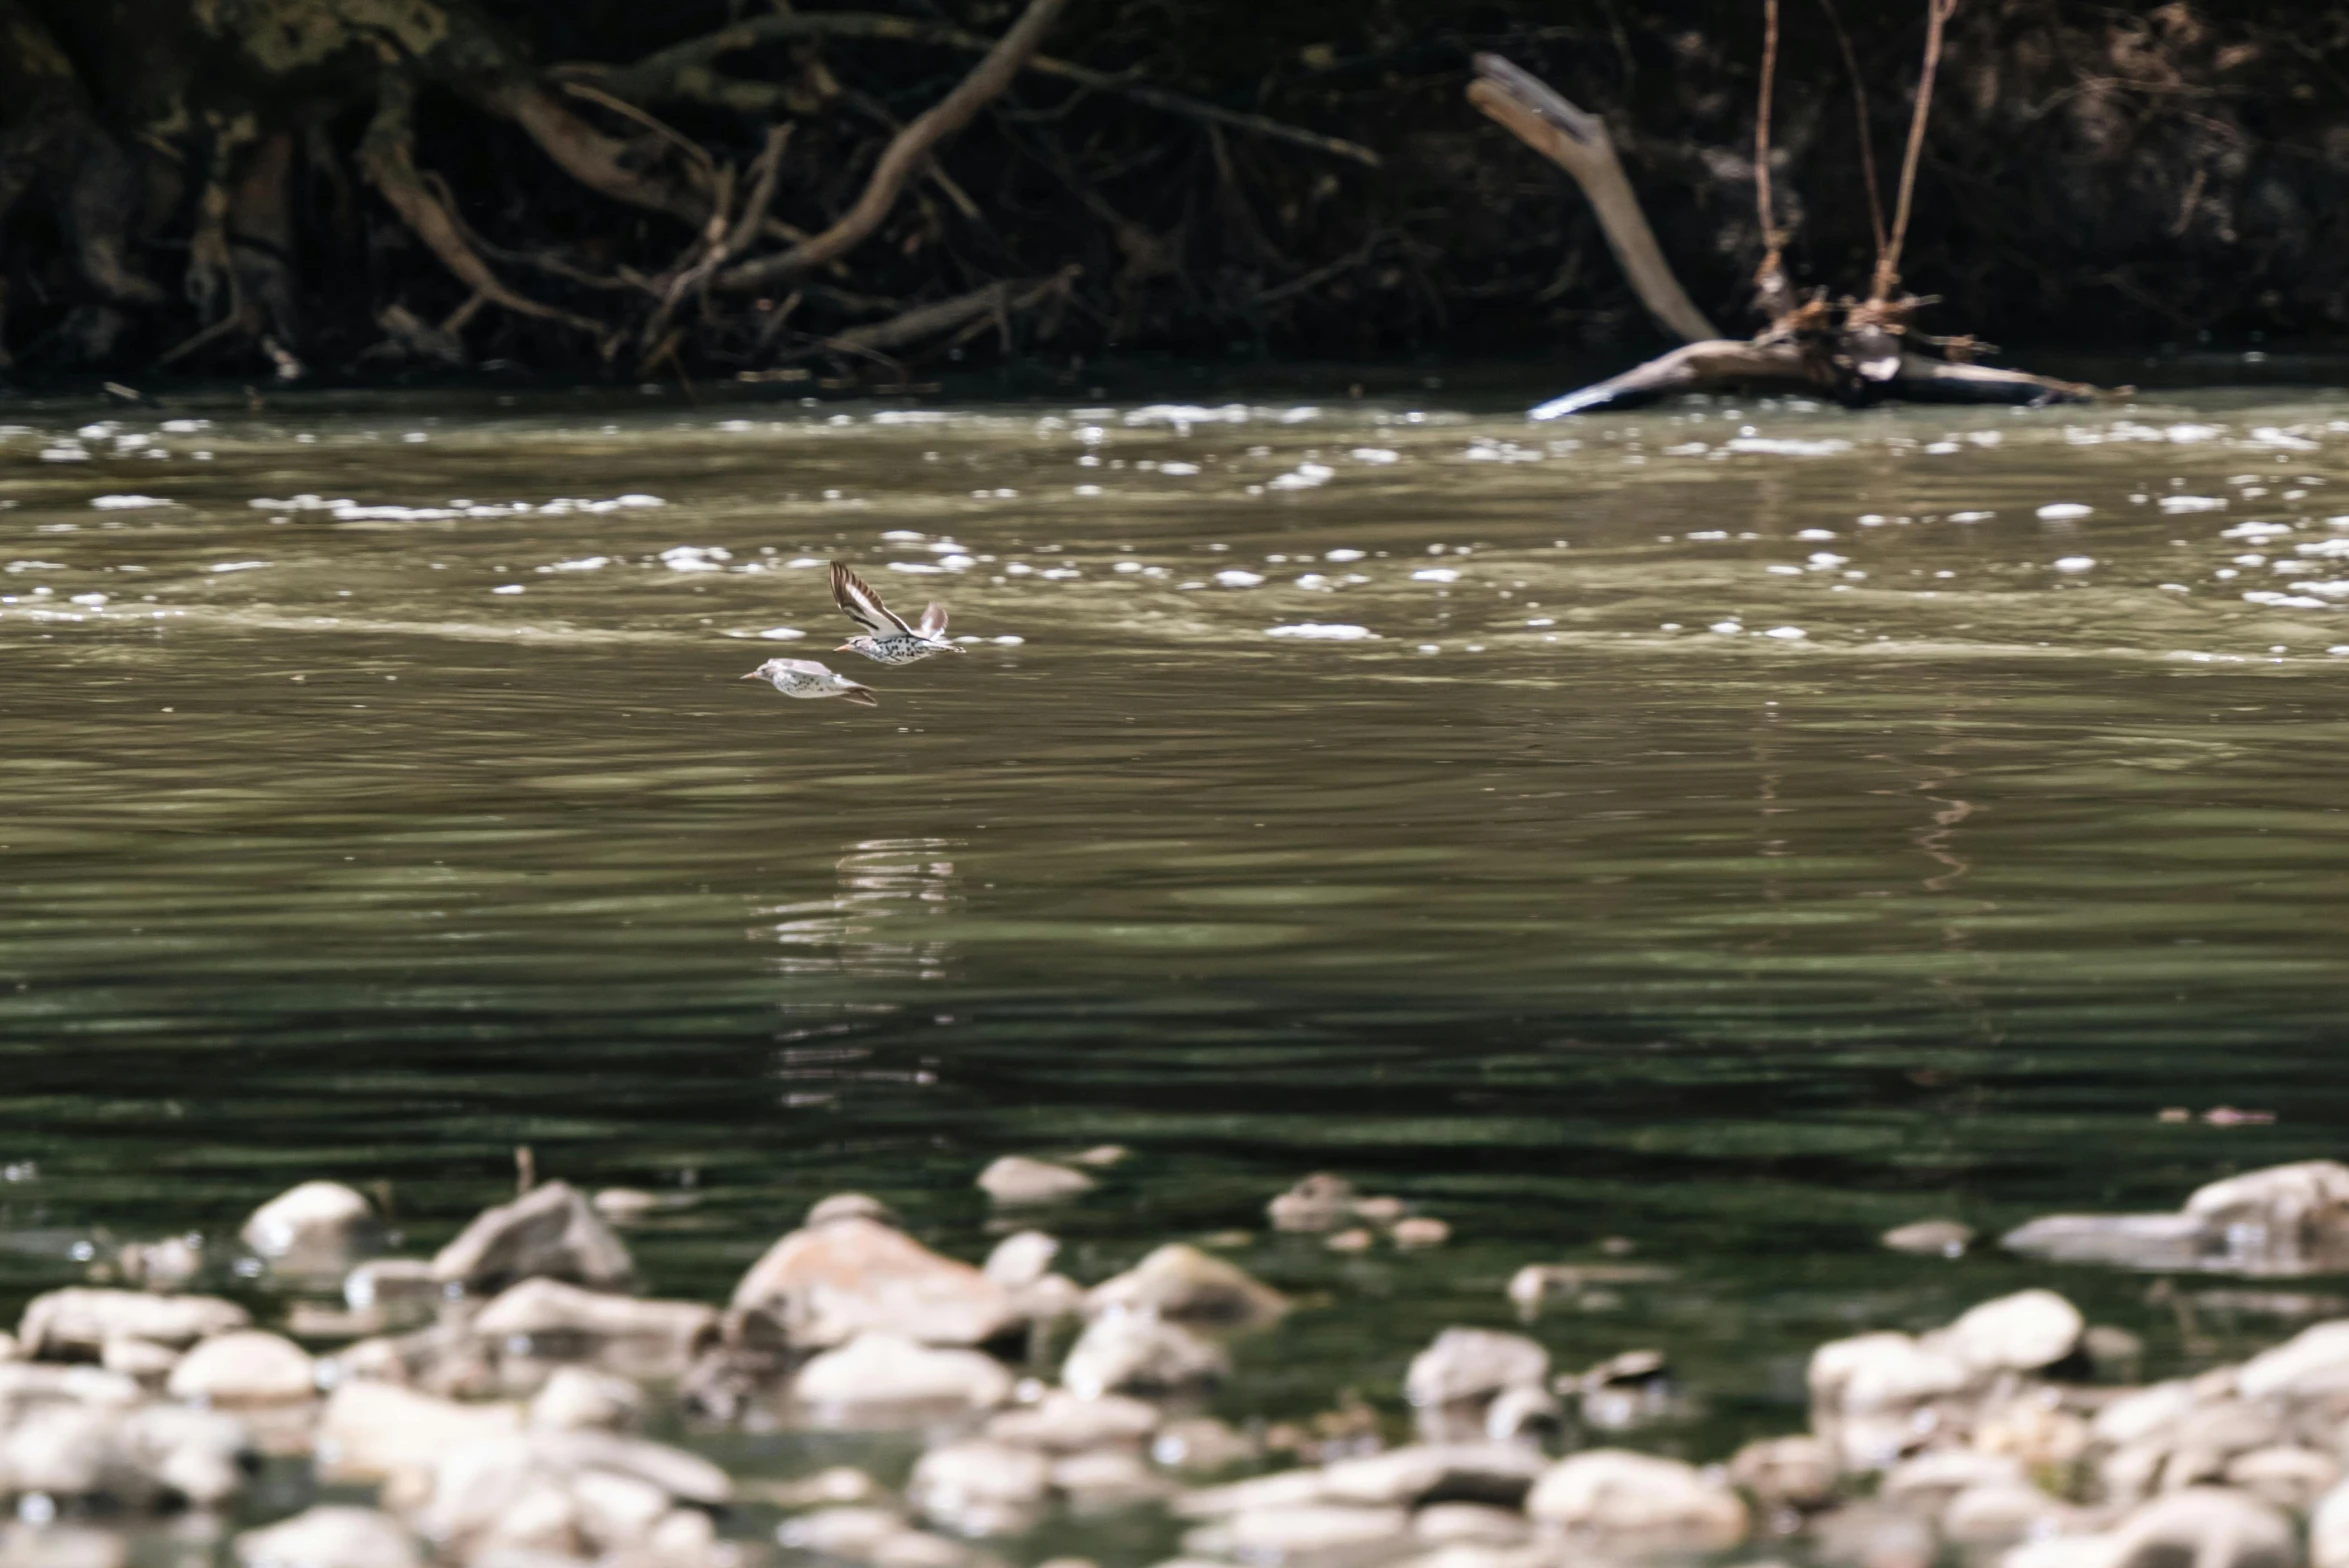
(1708,835)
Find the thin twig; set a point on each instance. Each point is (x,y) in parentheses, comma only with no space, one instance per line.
(908,151)
(1937,14)
(626,110)
(1859,104)
(683,71)
(1769,220)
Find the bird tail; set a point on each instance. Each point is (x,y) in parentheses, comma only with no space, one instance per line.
(862,696)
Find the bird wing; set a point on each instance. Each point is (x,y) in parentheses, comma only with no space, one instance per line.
(933,622)
(862,604)
(803,666)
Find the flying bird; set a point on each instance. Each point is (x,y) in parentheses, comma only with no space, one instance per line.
(887,639)
(806,678)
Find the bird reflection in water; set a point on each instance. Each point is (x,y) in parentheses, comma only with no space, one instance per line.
(873,926)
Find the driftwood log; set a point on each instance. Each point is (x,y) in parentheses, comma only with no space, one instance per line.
(1858,352)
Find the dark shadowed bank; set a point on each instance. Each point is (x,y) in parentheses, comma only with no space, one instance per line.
(335,189)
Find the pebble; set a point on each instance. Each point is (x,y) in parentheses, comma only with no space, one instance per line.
(1126,1352)
(315,1227)
(854,1274)
(1420,1230)
(576,1398)
(246,1367)
(1638,1499)
(1318,1202)
(980,1487)
(1021,1259)
(1473,1363)
(1016,1179)
(552,1231)
(1062,1422)
(1180,1281)
(876,1371)
(1930,1238)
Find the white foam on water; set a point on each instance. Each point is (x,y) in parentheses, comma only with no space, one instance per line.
(1777,447)
(2075,563)
(507,588)
(2063,511)
(1726,628)
(1179,470)
(1375,454)
(1315,631)
(1304,476)
(1236,578)
(585,563)
(1971,517)
(2193,503)
(1787,633)
(1435,574)
(1341,555)
(236,566)
(782,634)
(1808,533)
(695,558)
(126,503)
(1009,641)
(64,454)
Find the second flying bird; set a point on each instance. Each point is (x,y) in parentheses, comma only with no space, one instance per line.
(887,638)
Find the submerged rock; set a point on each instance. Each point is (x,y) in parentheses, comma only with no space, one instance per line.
(552,1231)
(331,1536)
(1180,1281)
(875,1372)
(556,1319)
(1127,1352)
(1930,1238)
(314,1228)
(76,1323)
(2284,1220)
(1637,1501)
(1061,1422)
(581,1493)
(247,1367)
(830,1282)
(1017,1179)
(1473,1363)
(1419,1473)
(1319,1202)
(1314,1533)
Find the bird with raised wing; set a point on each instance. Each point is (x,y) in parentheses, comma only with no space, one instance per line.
(887,639)
(805,678)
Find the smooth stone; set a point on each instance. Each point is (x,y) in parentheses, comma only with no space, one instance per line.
(830,1282)
(1930,1238)
(1021,1259)
(1442,1523)
(626,1205)
(551,1231)
(575,1398)
(551,1309)
(1049,1300)
(1124,1352)
(391,1282)
(2144,1413)
(599,1489)
(2285,1474)
(247,1367)
(2001,1513)
(129,1458)
(880,1370)
(1883,1371)
(1786,1472)
(1420,1230)
(1101,1154)
(76,1323)
(1180,1281)
(1203,1445)
(1500,1473)
(2301,1206)
(370,1431)
(1104,1477)
(1015,1178)
(848,1206)
(2204,1526)
(1926,1483)
(142,1359)
(310,1229)
(1525,1410)
(1471,1363)
(1309,1532)
(1281,1489)
(1061,1422)
(331,1536)
(1318,1202)
(2328,1530)
(39,1382)
(2311,1364)
(1612,1492)
(980,1487)
(847,1532)
(2152,1242)
(2023,1332)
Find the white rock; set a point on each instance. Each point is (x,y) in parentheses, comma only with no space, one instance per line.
(575,1398)
(654,1338)
(1281,1489)
(1882,1371)
(1499,1473)
(1932,1238)
(78,1321)
(1017,1179)
(2285,1474)
(2207,1527)
(1473,1363)
(247,1367)
(1790,1472)
(849,1533)
(370,1430)
(1661,1503)
(1125,1352)
(980,1488)
(2000,1514)
(2312,1364)
(331,1536)
(1021,1259)
(1316,1533)
(1063,1423)
(881,1370)
(1108,1476)
(552,1231)
(2018,1333)
(1180,1281)
(311,1228)
(2328,1530)
(830,1282)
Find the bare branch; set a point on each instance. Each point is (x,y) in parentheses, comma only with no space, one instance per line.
(1859,104)
(1578,142)
(1937,14)
(908,151)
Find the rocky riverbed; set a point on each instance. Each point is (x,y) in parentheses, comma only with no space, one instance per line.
(519,1400)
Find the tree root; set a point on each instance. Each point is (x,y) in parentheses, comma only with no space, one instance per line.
(687,71)
(907,152)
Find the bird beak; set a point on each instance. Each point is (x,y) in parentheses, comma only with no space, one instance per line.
(844,648)
(752,676)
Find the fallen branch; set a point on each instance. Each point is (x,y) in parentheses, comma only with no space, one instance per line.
(996,301)
(907,152)
(686,71)
(1576,141)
